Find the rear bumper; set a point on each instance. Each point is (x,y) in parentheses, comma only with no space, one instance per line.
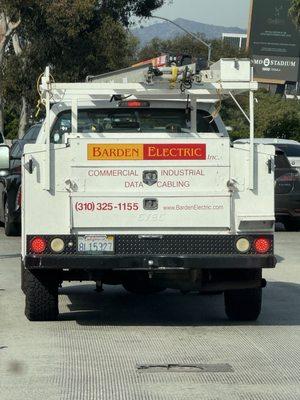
(149,263)
(143,252)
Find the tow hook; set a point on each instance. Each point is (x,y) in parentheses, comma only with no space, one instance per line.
(150,263)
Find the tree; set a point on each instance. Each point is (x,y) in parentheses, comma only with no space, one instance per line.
(8,25)
(77,38)
(13,13)
(295,12)
(275,117)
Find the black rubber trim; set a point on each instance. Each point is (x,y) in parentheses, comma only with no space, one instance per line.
(59,262)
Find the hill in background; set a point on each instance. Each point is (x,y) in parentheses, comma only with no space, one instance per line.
(165,30)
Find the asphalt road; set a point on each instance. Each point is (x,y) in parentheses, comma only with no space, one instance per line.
(93,351)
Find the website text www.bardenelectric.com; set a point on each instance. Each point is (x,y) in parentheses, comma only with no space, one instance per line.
(194,207)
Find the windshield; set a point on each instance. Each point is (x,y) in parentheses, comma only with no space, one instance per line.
(32,134)
(291,150)
(132,120)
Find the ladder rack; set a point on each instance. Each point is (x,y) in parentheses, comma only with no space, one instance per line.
(223,78)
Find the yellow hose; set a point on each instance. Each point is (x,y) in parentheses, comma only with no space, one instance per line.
(175,73)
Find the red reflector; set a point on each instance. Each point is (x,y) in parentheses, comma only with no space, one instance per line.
(38,245)
(134,104)
(262,245)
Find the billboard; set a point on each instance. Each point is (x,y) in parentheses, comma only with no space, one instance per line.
(274,41)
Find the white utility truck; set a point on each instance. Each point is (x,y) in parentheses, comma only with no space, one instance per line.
(134,181)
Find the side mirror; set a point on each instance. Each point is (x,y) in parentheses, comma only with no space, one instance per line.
(4,157)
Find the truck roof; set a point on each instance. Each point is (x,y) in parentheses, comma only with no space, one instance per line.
(268,141)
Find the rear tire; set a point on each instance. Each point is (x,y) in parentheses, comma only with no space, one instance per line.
(23,286)
(41,296)
(292,226)
(10,227)
(244,304)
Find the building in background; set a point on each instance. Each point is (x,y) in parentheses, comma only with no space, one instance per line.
(274,46)
(238,40)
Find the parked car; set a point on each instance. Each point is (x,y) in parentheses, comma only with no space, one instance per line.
(10,184)
(287,192)
(290,147)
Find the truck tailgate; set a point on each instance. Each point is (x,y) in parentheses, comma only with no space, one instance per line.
(166,184)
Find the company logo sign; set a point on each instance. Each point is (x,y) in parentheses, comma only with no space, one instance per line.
(150,178)
(124,152)
(276,68)
(275,63)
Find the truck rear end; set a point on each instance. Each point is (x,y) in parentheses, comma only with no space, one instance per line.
(144,194)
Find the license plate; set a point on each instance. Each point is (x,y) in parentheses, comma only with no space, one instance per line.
(96,244)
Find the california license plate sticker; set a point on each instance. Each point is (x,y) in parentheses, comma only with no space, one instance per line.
(96,244)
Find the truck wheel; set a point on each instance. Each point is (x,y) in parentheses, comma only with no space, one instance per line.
(41,296)
(292,226)
(244,304)
(10,228)
(23,286)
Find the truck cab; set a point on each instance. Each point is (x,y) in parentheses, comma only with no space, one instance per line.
(137,183)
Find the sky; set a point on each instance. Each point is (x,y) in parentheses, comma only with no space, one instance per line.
(216,12)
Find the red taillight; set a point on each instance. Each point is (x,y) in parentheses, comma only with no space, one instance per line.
(38,245)
(134,104)
(290,177)
(262,245)
(19,198)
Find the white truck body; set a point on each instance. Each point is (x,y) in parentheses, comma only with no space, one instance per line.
(196,188)
(158,200)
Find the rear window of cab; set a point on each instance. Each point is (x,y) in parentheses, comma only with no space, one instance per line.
(291,150)
(132,120)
